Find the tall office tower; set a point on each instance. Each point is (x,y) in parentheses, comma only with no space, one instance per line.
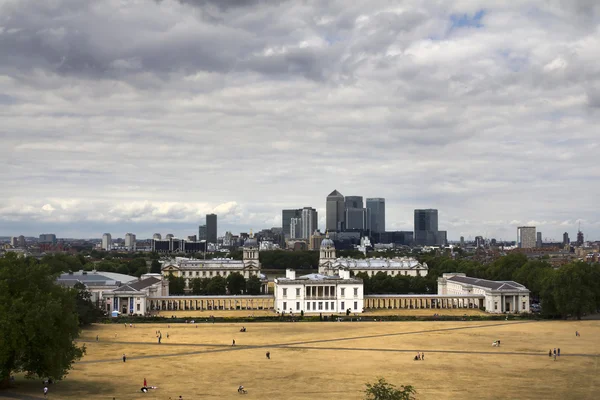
(107,242)
(462,241)
(580,238)
(358,219)
(14,241)
(47,238)
(334,210)
(296,228)
(310,222)
(21,241)
(376,205)
(202,232)
(130,243)
(426,227)
(211,228)
(566,239)
(479,242)
(353,202)
(526,238)
(286,217)
(538,242)
(157,236)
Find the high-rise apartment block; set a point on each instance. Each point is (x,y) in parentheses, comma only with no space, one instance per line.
(526,237)
(107,242)
(296,228)
(211,228)
(376,207)
(335,212)
(538,242)
(47,238)
(130,242)
(566,239)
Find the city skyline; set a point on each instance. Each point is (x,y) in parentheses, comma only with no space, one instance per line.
(272,106)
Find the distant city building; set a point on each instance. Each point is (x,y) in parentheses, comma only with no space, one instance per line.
(107,242)
(157,236)
(310,222)
(211,228)
(462,241)
(47,238)
(538,242)
(192,238)
(334,212)
(526,237)
(169,236)
(353,202)
(580,238)
(202,234)
(479,241)
(402,238)
(566,239)
(315,241)
(172,244)
(21,241)
(14,241)
(376,207)
(130,242)
(426,228)
(296,228)
(357,219)
(286,217)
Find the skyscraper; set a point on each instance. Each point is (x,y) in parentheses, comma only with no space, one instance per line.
(334,210)
(107,242)
(296,228)
(566,239)
(353,202)
(580,238)
(426,227)
(130,242)
(526,238)
(202,232)
(358,219)
(286,217)
(310,222)
(538,242)
(211,228)
(376,205)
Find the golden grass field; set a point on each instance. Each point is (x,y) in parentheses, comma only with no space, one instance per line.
(333,360)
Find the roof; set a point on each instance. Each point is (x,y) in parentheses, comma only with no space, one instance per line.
(335,193)
(494,285)
(95,278)
(318,277)
(380,263)
(137,286)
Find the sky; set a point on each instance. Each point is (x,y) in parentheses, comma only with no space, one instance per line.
(144,115)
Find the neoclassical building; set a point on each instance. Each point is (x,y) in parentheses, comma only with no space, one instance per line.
(190,268)
(330,265)
(133,297)
(498,296)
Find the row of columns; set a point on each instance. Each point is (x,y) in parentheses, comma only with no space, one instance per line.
(416,302)
(211,304)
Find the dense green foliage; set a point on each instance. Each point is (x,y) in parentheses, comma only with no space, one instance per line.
(382,390)
(176,285)
(86,310)
(253,285)
(236,283)
(38,320)
(280,259)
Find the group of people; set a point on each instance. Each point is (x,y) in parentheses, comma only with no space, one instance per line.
(243,329)
(554,353)
(496,343)
(420,356)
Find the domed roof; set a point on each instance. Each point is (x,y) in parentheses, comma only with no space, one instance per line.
(251,241)
(327,242)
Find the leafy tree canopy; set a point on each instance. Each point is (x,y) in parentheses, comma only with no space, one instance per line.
(382,390)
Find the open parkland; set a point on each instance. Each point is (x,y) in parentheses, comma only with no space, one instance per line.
(331,360)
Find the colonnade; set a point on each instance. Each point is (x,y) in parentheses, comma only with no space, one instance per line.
(408,302)
(212,303)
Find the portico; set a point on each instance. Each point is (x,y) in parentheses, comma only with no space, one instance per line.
(202,303)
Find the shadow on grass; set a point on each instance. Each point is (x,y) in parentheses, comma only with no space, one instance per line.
(30,389)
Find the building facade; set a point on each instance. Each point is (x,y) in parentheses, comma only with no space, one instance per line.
(133,298)
(334,210)
(316,293)
(130,242)
(286,217)
(426,227)
(107,242)
(202,234)
(376,207)
(357,219)
(500,296)
(211,228)
(96,282)
(526,237)
(310,222)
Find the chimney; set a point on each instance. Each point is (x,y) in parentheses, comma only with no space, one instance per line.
(290,274)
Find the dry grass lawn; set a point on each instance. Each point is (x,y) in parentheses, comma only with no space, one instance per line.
(333,360)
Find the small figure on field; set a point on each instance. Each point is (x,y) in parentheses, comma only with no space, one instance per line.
(268,355)
(233,342)
(45,391)
(124,357)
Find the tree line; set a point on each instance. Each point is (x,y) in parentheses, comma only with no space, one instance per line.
(233,284)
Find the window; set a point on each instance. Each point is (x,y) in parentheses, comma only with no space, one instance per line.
(356,305)
(284,306)
(355,292)
(342,306)
(298,292)
(197,273)
(343,292)
(326,305)
(495,305)
(405,273)
(203,273)
(523,306)
(297,305)
(332,306)
(210,273)
(320,305)
(138,307)
(284,293)
(308,305)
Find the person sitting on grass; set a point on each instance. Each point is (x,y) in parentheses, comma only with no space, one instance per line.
(241,389)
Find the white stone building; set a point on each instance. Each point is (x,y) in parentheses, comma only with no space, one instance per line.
(500,296)
(190,268)
(133,297)
(96,282)
(330,265)
(316,293)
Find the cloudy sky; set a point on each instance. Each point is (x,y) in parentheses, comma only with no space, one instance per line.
(143,115)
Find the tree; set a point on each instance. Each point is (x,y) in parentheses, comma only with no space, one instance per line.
(176,284)
(575,289)
(38,321)
(86,310)
(236,283)
(199,285)
(253,285)
(217,285)
(155,267)
(383,390)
